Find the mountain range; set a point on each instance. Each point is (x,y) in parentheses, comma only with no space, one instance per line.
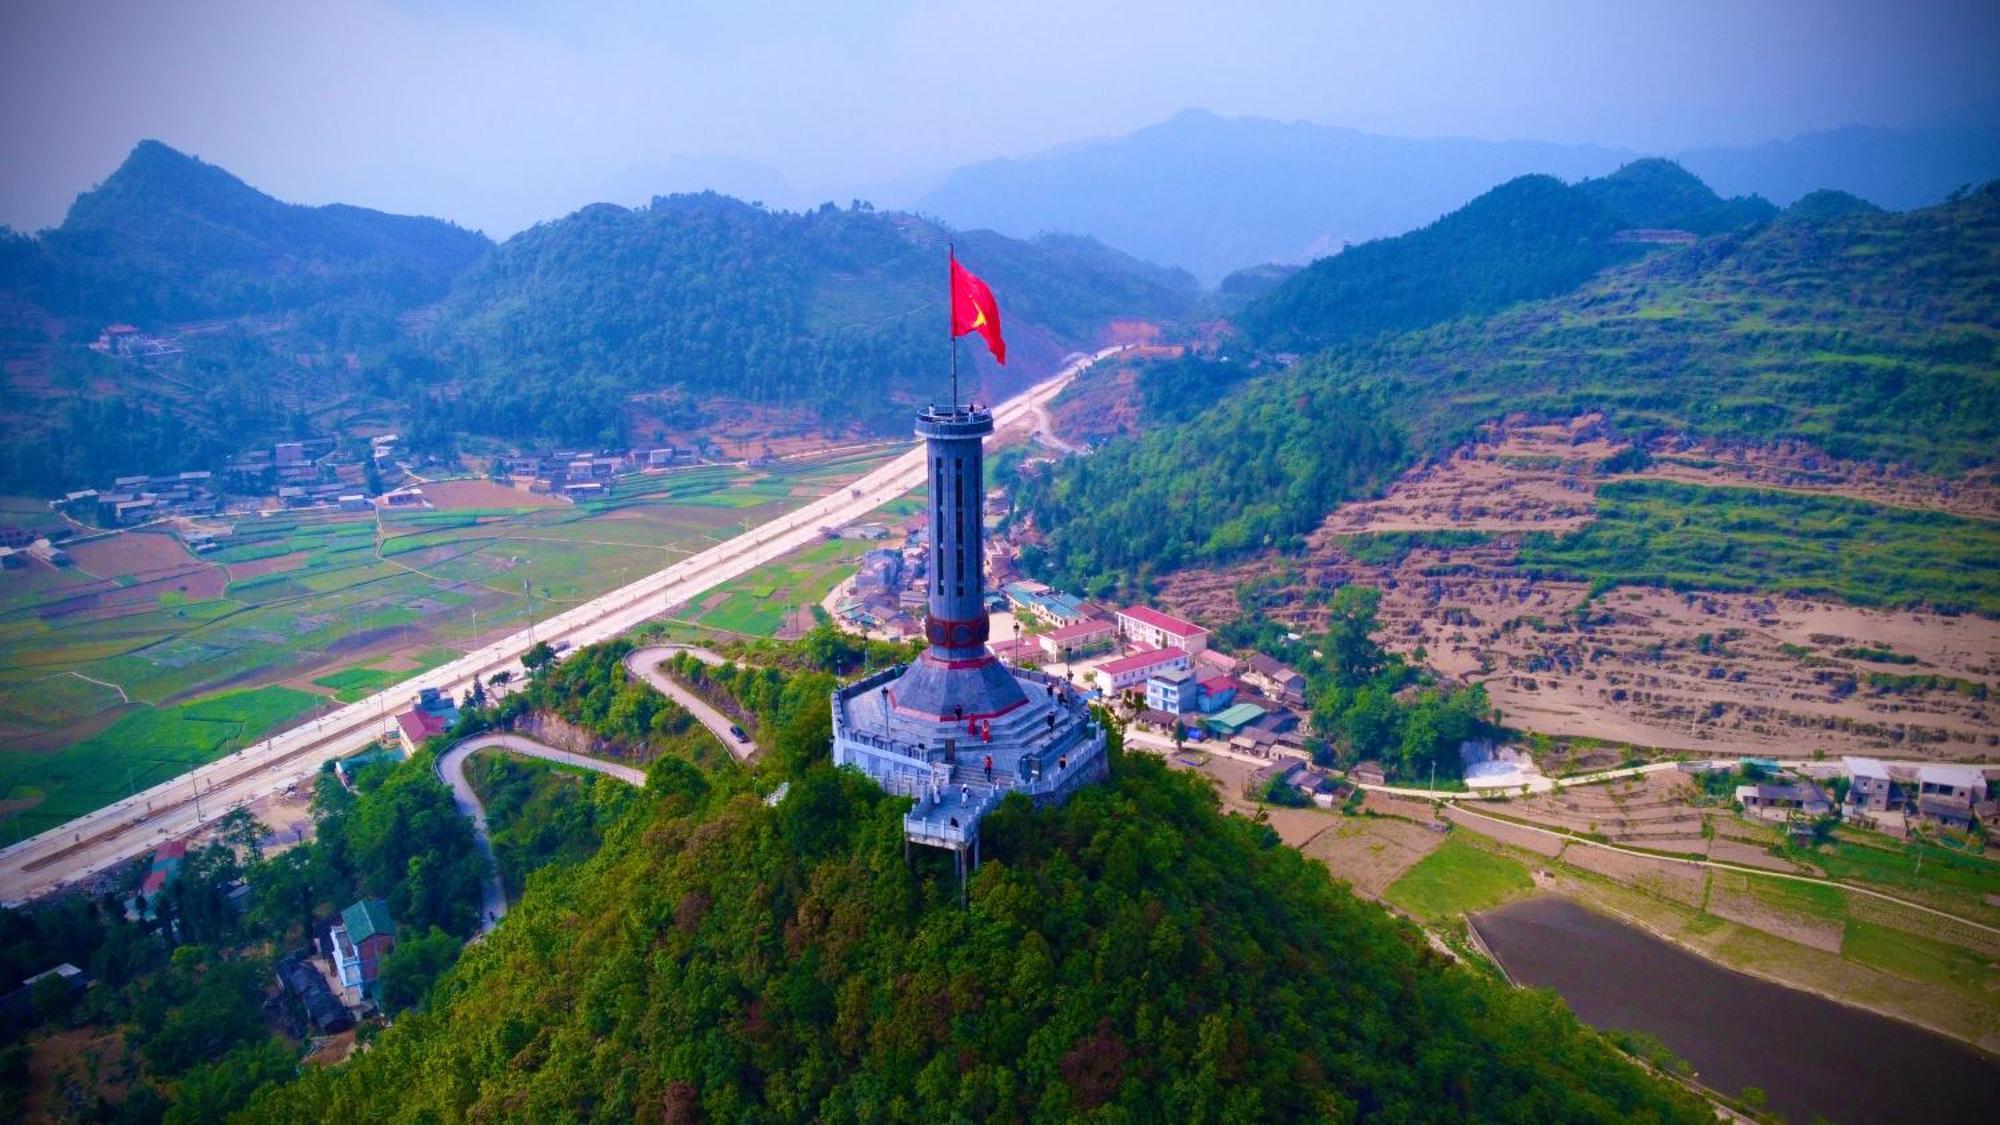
(588,329)
(1864,334)
(1215,194)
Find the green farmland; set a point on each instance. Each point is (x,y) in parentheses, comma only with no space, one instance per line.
(144,748)
(331,606)
(759,603)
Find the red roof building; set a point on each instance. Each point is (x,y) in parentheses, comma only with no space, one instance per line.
(1079,639)
(1130,671)
(1150,627)
(415,726)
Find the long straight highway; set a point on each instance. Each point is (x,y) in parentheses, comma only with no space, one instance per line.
(131,827)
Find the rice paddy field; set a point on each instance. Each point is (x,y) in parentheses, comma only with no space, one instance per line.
(778,597)
(100,661)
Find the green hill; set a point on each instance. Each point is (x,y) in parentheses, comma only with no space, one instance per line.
(1871,336)
(1819,206)
(706,295)
(574,332)
(1135,955)
(1528,238)
(168,237)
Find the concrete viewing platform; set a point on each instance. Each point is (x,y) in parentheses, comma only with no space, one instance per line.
(1043,747)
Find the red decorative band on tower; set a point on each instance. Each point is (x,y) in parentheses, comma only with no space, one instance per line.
(957,634)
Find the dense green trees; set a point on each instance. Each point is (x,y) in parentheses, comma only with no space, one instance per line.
(1134,954)
(409,970)
(834,311)
(539,814)
(1256,471)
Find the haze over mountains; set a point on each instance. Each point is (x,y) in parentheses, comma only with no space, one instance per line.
(1214,194)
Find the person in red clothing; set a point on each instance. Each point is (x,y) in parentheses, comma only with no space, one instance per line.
(989,769)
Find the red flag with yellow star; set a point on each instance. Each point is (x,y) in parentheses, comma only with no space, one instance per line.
(973,309)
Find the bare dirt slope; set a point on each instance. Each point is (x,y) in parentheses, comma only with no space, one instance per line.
(1703,672)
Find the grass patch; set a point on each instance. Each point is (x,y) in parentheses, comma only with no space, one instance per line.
(1819,900)
(1458,878)
(143,749)
(1913,955)
(1945,873)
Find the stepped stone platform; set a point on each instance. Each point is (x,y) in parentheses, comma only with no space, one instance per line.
(1043,744)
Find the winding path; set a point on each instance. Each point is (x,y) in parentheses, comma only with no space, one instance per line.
(451,769)
(645,664)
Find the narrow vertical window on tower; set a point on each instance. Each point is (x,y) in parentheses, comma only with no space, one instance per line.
(958,521)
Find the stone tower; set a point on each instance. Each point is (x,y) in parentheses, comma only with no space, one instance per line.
(956,728)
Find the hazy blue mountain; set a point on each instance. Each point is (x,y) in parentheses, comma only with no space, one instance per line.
(1893,168)
(169,237)
(1215,194)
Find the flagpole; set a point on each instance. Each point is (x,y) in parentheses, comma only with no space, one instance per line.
(951,317)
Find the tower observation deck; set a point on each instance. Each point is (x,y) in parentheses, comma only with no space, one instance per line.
(957,729)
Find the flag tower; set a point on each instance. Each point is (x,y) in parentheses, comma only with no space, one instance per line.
(956,728)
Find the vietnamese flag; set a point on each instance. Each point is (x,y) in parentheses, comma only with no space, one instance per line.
(973,309)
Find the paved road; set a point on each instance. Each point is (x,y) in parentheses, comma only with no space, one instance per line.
(133,826)
(645,664)
(451,768)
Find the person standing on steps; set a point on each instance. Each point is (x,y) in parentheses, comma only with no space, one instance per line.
(989,769)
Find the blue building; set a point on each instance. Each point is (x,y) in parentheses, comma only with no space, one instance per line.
(1174,691)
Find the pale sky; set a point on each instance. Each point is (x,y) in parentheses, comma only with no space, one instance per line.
(504,113)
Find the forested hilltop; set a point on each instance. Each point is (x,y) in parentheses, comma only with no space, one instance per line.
(836,311)
(1531,237)
(168,237)
(1133,955)
(1868,335)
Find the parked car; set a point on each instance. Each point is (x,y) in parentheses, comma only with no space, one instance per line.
(737,733)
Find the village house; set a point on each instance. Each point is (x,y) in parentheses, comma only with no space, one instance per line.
(1053,606)
(1142,625)
(1368,772)
(1215,693)
(1949,795)
(364,935)
(323,1010)
(1131,671)
(1768,801)
(1085,638)
(1172,690)
(431,714)
(1232,719)
(1279,680)
(1870,789)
